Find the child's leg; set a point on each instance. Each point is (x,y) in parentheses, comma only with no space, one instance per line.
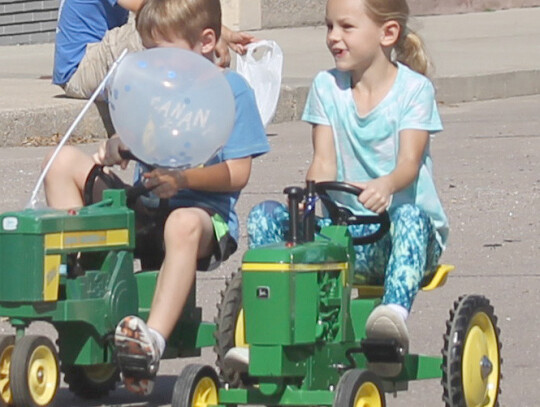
(99,58)
(415,253)
(412,238)
(64,183)
(188,235)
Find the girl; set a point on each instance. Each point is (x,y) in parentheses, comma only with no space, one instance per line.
(372,117)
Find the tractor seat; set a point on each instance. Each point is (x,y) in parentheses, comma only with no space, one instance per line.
(433,281)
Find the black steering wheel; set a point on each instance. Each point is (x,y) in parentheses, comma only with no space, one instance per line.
(343,216)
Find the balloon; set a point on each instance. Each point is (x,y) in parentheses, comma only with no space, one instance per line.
(171,107)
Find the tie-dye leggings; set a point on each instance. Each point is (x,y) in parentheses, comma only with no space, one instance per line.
(400,260)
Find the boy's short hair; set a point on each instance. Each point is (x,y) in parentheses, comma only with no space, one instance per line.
(170,19)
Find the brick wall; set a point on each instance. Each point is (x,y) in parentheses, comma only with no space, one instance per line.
(27,21)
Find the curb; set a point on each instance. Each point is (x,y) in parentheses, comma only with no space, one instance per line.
(20,124)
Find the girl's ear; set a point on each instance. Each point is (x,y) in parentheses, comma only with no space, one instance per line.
(208,41)
(390,33)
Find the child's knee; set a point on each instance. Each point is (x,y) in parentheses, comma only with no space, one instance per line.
(182,225)
(409,215)
(63,161)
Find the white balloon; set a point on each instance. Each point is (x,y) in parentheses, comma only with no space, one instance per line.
(171,107)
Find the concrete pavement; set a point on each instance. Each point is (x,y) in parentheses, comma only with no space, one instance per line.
(476,56)
(487,166)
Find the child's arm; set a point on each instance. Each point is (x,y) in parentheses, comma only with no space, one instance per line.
(377,193)
(131,5)
(227,176)
(323,165)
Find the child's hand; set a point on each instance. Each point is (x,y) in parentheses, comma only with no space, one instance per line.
(238,41)
(165,183)
(109,152)
(377,194)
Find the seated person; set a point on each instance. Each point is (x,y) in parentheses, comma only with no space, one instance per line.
(372,117)
(200,221)
(91,34)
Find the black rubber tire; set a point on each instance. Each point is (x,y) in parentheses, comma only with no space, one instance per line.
(7,345)
(91,382)
(228,311)
(458,329)
(184,392)
(357,380)
(28,350)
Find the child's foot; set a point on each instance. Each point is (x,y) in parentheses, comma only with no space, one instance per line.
(137,355)
(237,359)
(386,323)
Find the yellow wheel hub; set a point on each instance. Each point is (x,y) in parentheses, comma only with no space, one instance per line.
(42,375)
(481,362)
(206,393)
(240,331)
(367,396)
(5,362)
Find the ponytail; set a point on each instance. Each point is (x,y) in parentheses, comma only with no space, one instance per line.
(409,48)
(410,51)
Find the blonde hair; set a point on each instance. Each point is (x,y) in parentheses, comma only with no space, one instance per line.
(409,48)
(170,19)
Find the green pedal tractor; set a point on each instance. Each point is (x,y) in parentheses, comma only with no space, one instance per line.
(296,310)
(293,309)
(75,270)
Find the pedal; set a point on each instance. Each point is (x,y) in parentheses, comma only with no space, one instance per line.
(138,366)
(383,350)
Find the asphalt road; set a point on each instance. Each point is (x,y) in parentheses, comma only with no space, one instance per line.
(487,166)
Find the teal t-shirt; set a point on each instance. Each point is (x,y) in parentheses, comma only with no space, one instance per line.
(367,146)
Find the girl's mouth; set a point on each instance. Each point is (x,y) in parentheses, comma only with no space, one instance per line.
(338,52)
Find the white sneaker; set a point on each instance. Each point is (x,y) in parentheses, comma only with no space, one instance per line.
(237,359)
(385,323)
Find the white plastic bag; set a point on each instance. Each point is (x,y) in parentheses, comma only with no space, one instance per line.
(261,66)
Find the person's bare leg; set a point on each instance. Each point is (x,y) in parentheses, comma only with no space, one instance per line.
(188,235)
(65,180)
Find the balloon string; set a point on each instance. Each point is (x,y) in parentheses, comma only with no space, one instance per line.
(33,198)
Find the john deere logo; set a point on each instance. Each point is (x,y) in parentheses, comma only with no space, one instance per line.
(263,292)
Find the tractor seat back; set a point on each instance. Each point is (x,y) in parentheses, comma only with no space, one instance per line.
(433,281)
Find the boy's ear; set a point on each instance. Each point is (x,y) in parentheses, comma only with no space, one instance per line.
(390,33)
(208,41)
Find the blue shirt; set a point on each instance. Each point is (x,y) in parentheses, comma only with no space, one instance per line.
(367,146)
(248,139)
(81,22)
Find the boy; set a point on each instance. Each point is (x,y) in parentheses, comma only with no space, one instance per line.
(200,201)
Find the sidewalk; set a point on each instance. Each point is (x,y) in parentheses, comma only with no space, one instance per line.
(476,56)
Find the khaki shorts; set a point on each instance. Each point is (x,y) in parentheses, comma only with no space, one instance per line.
(99,58)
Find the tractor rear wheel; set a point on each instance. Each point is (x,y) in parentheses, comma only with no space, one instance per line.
(471,355)
(91,382)
(230,329)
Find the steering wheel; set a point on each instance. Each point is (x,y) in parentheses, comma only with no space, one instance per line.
(343,216)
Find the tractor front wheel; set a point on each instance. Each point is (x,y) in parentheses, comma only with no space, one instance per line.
(197,385)
(34,372)
(471,355)
(7,344)
(359,388)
